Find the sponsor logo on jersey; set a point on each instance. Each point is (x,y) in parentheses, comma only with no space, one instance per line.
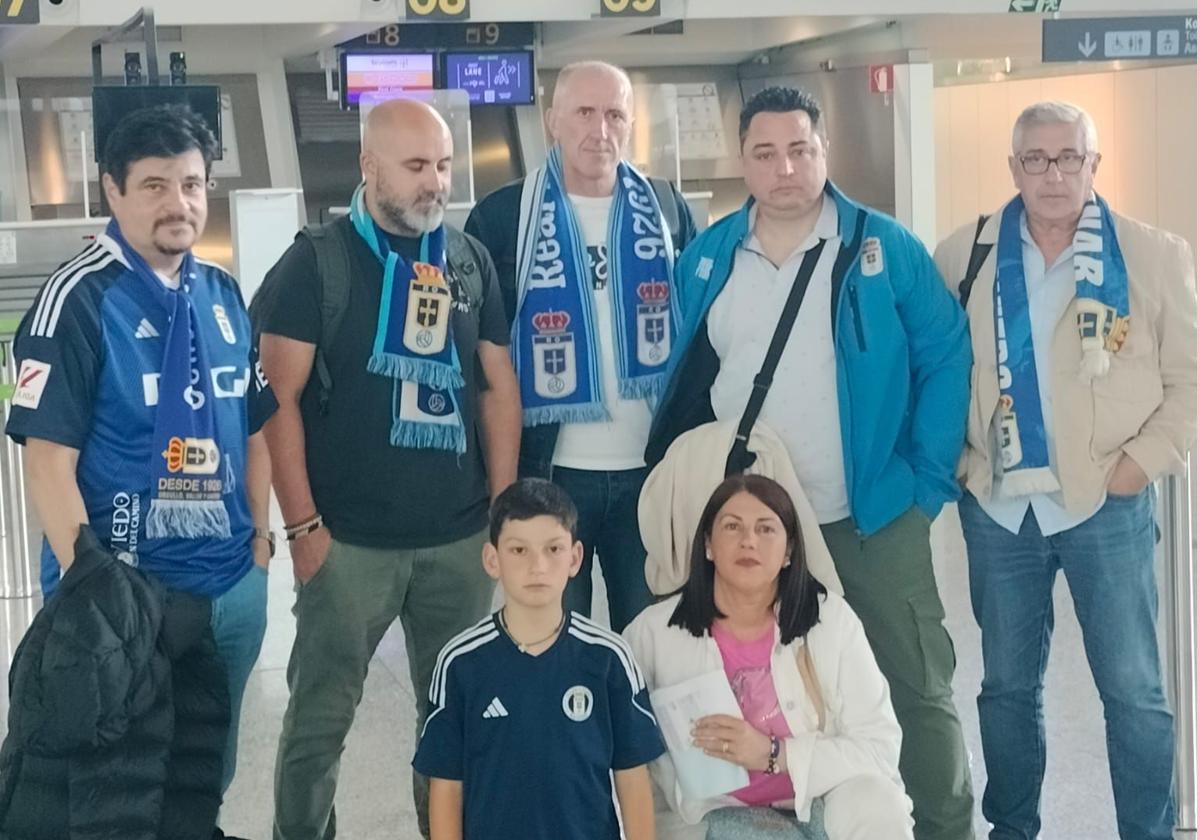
(31,382)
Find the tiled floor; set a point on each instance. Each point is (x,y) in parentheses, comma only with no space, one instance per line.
(374,796)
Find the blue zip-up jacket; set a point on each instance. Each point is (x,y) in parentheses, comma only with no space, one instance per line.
(902,361)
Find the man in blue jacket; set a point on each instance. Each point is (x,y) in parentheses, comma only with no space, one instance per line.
(869,396)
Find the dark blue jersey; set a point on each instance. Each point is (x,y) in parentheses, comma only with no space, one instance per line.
(534,739)
(89,355)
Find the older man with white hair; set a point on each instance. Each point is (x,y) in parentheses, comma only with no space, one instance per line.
(1084,332)
(584,248)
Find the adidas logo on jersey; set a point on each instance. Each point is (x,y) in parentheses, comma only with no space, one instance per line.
(496,709)
(145,330)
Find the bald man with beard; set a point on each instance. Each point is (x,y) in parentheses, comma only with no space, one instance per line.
(398,421)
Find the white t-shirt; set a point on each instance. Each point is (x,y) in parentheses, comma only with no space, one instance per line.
(616,444)
(803,403)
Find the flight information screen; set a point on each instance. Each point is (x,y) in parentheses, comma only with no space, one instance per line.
(500,78)
(382,72)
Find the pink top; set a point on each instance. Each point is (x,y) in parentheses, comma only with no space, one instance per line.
(749,670)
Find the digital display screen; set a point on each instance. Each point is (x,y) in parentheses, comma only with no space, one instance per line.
(110,104)
(382,72)
(499,78)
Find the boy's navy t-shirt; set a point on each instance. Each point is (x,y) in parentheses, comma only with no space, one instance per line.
(534,739)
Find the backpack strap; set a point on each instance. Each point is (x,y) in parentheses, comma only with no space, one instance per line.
(465,263)
(975,260)
(334,268)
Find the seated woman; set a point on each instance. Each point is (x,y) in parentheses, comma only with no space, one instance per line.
(815,727)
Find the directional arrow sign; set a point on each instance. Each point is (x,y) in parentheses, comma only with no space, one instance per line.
(1108,39)
(1034,5)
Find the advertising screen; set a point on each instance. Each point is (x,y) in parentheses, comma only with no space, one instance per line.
(380,72)
(499,78)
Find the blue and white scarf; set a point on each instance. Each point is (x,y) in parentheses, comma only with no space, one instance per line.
(553,340)
(187,483)
(413,343)
(1103,319)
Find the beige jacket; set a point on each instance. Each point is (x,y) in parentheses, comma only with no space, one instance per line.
(679,487)
(1146,406)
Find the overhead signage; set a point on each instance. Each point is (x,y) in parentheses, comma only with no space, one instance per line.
(630,8)
(1034,6)
(433,36)
(1110,39)
(19,12)
(438,9)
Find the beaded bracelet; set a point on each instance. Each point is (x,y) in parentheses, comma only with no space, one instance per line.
(774,753)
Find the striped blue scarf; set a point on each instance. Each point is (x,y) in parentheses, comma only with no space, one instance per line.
(413,343)
(553,341)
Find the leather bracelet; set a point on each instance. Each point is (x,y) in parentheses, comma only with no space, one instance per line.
(312,525)
(774,753)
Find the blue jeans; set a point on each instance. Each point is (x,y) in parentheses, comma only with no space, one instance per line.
(239,624)
(608,523)
(1109,563)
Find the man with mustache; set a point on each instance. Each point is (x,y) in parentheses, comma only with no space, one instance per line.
(398,422)
(585,248)
(139,401)
(1084,333)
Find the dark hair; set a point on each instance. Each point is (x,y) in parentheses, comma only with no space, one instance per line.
(782,100)
(161,131)
(529,498)
(797,592)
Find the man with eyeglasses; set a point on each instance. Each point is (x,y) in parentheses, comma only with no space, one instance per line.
(1084,333)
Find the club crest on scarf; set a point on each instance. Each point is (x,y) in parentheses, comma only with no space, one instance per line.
(555,347)
(429,305)
(652,323)
(553,355)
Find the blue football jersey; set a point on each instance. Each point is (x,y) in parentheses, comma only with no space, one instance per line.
(534,739)
(89,356)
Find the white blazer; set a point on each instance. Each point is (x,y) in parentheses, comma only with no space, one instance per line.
(861,735)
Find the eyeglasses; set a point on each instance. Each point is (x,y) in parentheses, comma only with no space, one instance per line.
(1068,163)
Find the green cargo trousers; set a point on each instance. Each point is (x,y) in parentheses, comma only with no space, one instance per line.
(341,615)
(890,583)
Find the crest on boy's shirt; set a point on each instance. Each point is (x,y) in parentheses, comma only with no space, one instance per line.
(578,703)
(652,324)
(596,256)
(554,358)
(428,310)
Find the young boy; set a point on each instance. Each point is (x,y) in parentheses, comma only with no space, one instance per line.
(533,708)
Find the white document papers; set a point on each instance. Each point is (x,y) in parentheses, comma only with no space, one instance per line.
(678,706)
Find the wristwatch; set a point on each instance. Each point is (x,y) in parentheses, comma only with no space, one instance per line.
(268,535)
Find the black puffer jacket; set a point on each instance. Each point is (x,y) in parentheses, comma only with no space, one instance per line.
(119,712)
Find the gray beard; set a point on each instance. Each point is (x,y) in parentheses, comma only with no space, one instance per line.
(409,222)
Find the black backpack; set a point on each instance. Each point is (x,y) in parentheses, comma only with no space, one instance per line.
(334,266)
